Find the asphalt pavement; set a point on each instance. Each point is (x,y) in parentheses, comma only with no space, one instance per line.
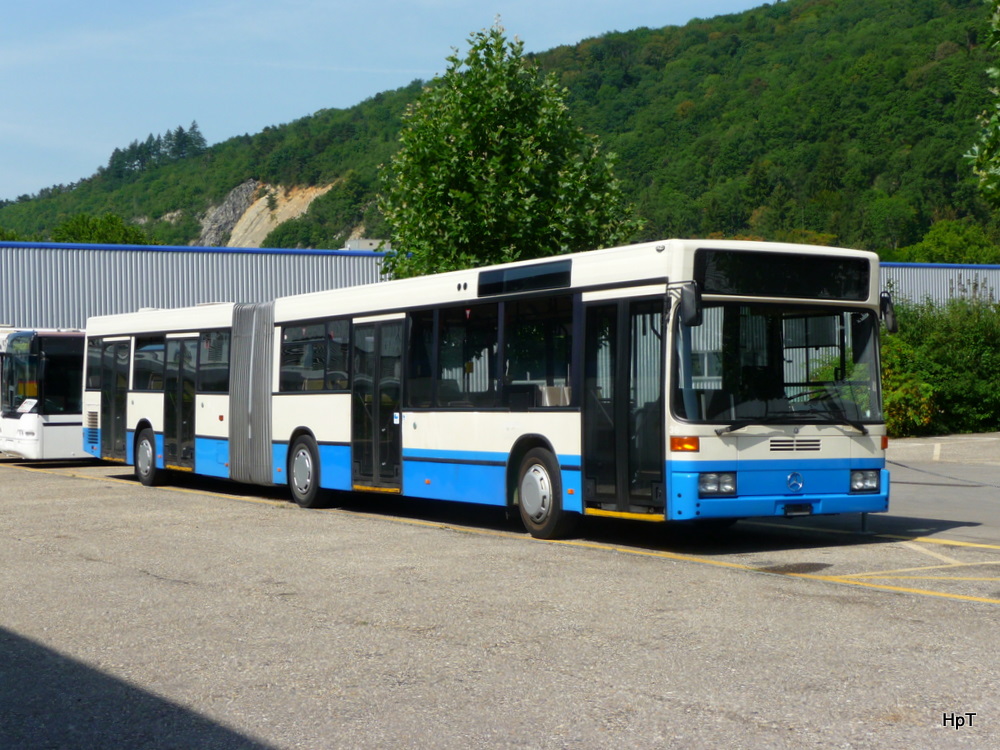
(983,448)
(211,615)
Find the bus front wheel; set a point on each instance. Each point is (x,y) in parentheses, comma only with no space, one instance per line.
(303,473)
(146,470)
(539,497)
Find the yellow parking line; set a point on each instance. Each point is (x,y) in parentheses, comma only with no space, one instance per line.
(930,553)
(933,578)
(921,568)
(899,589)
(901,537)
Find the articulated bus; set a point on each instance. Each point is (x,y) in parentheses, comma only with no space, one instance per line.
(41,372)
(677,381)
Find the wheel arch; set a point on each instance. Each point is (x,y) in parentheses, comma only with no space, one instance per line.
(517,453)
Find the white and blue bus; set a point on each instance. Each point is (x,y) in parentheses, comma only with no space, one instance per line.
(41,370)
(681,380)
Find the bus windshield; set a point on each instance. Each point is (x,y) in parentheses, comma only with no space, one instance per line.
(20,381)
(46,383)
(759,363)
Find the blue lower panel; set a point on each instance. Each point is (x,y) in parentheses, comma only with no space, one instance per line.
(92,441)
(475,478)
(474,483)
(465,482)
(823,492)
(334,465)
(211,457)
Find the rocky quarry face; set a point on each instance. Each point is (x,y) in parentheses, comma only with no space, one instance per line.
(252,210)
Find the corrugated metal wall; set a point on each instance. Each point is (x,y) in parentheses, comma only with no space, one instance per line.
(60,285)
(938,283)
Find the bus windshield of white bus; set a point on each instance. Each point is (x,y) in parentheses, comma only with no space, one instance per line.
(762,363)
(42,375)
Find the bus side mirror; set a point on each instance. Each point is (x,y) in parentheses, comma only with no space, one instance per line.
(888,312)
(690,309)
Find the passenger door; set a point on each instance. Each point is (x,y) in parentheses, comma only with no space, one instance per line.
(376,443)
(623,431)
(179,403)
(115,361)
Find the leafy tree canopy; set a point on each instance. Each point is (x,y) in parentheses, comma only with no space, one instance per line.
(953,241)
(985,155)
(491,168)
(106,230)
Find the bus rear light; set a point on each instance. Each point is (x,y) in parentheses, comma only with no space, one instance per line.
(885,442)
(685,444)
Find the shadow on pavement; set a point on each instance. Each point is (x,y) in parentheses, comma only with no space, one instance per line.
(48,700)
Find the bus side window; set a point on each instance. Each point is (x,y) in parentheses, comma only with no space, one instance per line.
(147,363)
(420,366)
(95,348)
(467,356)
(338,355)
(213,362)
(538,352)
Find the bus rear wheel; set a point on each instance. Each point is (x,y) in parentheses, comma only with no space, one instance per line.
(146,470)
(303,473)
(539,497)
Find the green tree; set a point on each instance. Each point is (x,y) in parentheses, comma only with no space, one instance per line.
(985,155)
(889,220)
(953,241)
(491,168)
(106,230)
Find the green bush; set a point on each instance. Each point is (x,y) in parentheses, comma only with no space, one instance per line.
(941,372)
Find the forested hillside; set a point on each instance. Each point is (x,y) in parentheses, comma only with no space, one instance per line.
(826,121)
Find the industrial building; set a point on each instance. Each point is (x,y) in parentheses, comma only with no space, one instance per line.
(939,282)
(59,285)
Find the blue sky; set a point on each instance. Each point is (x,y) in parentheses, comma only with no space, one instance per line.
(79,79)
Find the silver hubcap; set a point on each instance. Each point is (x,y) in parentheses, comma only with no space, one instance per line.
(302,471)
(535,493)
(144,457)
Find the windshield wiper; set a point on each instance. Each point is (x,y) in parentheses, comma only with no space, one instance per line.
(806,418)
(750,421)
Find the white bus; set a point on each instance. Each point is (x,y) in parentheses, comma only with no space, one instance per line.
(681,380)
(41,371)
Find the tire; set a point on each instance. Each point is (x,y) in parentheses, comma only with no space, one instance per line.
(145,467)
(303,473)
(539,497)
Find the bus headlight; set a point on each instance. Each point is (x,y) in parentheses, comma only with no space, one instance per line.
(864,481)
(713,484)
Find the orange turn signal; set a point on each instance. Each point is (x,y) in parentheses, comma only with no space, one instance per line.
(689,444)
